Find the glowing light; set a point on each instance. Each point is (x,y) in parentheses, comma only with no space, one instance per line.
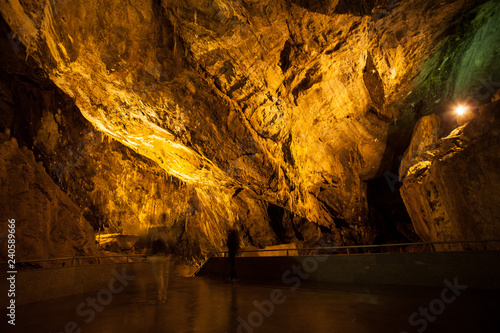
(460,110)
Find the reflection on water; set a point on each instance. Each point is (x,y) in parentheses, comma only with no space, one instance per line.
(202,305)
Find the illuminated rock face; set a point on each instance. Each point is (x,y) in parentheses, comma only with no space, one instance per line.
(116,190)
(271,114)
(425,136)
(47,223)
(453,192)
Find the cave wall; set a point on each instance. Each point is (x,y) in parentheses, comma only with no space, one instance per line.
(448,173)
(47,223)
(116,189)
(218,114)
(270,96)
(452,190)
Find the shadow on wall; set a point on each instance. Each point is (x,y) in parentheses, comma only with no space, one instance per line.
(329,7)
(276,214)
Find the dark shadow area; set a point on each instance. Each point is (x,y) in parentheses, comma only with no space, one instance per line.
(328,7)
(388,211)
(276,221)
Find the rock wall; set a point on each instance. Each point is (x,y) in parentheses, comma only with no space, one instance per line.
(118,190)
(452,192)
(48,223)
(287,100)
(279,117)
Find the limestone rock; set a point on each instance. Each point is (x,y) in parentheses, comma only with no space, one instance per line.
(496,96)
(271,251)
(425,137)
(271,116)
(118,242)
(284,99)
(453,193)
(48,223)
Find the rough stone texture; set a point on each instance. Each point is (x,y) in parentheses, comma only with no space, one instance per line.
(453,192)
(496,96)
(48,223)
(118,242)
(424,138)
(278,116)
(283,99)
(118,190)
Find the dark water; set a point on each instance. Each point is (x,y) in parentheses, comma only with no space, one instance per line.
(204,305)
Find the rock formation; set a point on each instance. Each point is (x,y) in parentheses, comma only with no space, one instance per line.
(281,117)
(47,223)
(452,192)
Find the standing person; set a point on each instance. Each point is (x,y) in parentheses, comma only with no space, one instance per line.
(233,245)
(160,263)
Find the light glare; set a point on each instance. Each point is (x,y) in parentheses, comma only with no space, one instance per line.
(460,110)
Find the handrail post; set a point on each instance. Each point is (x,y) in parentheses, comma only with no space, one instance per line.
(287,252)
(348,251)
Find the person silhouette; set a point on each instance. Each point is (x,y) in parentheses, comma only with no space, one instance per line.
(160,263)
(233,245)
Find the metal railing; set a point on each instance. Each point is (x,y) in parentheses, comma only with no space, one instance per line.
(203,264)
(77,259)
(326,250)
(330,250)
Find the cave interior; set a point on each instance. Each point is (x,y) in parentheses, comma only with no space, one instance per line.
(294,122)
